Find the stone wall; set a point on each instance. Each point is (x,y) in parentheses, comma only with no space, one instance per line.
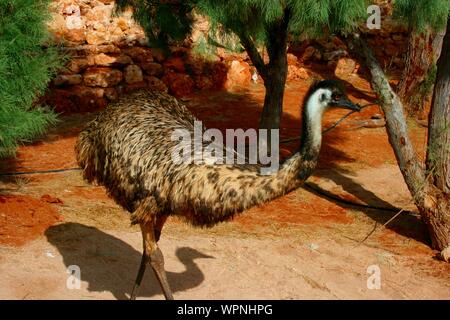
(108,57)
(389,44)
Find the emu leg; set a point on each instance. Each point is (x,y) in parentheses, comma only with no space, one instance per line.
(139,277)
(153,255)
(157,263)
(160,220)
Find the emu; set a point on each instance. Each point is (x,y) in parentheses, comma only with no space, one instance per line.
(128,148)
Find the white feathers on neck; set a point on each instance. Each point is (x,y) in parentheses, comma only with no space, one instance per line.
(315,106)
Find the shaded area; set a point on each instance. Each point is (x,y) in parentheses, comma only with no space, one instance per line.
(54,150)
(405,224)
(109,264)
(242,109)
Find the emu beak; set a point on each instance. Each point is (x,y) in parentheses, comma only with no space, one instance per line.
(347,104)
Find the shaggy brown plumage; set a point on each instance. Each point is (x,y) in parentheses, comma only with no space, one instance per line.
(128,149)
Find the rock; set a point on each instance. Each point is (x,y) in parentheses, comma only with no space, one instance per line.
(133,74)
(89,96)
(85,7)
(178,51)
(334,55)
(238,74)
(292,59)
(72,10)
(139,54)
(195,65)
(203,82)
(77,65)
(101,13)
(57,24)
(112,59)
(91,60)
(74,22)
(218,73)
(158,55)
(111,94)
(97,37)
(135,86)
(116,34)
(179,84)
(75,36)
(156,84)
(122,23)
(102,77)
(317,55)
(309,53)
(345,67)
(142,39)
(69,79)
(94,49)
(152,68)
(134,36)
(297,73)
(76,99)
(176,64)
(99,26)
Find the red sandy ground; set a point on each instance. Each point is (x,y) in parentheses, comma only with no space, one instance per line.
(23,219)
(31,204)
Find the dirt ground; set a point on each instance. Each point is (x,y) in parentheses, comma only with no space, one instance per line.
(302,246)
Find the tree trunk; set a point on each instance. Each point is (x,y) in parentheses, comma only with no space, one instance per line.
(273,100)
(438,152)
(416,86)
(275,81)
(432,205)
(274,73)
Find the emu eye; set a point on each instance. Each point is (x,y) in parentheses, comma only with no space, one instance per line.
(336,97)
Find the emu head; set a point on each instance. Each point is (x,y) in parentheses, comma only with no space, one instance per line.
(327,94)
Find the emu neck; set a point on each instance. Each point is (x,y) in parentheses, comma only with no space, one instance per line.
(302,163)
(311,128)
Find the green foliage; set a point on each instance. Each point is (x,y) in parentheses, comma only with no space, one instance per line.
(26,67)
(203,48)
(332,16)
(173,20)
(423,14)
(163,21)
(307,17)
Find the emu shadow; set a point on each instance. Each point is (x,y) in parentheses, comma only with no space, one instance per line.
(404,224)
(109,264)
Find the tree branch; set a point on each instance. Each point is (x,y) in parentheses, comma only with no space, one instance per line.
(254,55)
(410,166)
